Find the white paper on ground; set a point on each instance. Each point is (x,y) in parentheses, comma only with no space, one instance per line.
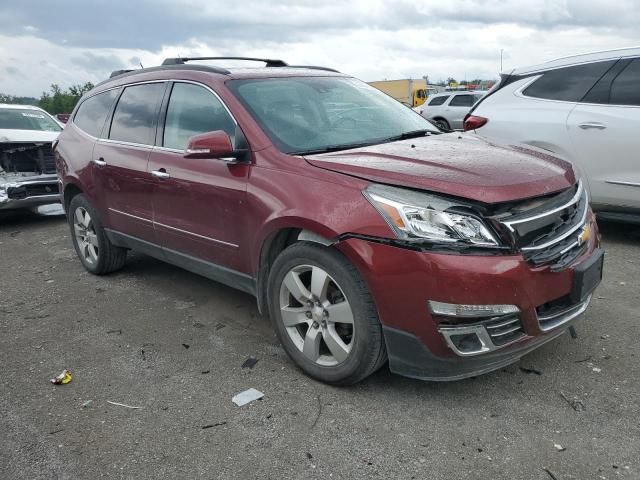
(247,396)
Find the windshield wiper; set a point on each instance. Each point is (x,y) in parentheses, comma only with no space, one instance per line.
(334,148)
(408,135)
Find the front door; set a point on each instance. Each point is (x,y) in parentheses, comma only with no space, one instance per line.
(606,141)
(121,159)
(199,205)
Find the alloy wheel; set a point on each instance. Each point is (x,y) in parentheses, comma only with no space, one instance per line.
(85,235)
(317,315)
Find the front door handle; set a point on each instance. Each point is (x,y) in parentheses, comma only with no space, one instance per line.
(162,174)
(99,162)
(592,125)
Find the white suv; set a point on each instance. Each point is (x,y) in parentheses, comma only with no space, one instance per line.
(584,108)
(448,109)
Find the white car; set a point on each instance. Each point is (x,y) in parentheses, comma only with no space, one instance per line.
(585,108)
(448,109)
(27,166)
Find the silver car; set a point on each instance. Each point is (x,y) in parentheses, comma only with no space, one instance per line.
(448,109)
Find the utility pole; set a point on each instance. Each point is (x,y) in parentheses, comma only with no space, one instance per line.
(501,51)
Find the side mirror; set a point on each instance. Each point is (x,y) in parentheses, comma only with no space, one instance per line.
(216,144)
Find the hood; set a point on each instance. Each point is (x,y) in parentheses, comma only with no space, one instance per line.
(460,165)
(17,136)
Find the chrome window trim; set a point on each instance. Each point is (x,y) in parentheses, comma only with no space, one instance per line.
(575,199)
(141,146)
(197,235)
(167,149)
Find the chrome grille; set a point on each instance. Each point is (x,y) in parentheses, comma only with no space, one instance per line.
(550,232)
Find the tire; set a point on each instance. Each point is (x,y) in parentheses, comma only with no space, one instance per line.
(340,308)
(96,252)
(442,124)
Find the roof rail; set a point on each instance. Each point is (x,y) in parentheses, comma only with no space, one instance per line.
(181,60)
(314,67)
(115,73)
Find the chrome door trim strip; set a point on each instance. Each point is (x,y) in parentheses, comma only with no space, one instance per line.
(130,215)
(174,228)
(620,182)
(197,235)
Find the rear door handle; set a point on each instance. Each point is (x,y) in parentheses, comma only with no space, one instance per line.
(592,125)
(162,174)
(99,162)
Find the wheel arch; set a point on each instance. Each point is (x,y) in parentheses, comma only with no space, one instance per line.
(275,242)
(71,189)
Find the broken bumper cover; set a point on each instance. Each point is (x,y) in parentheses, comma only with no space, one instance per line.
(28,192)
(449,316)
(409,357)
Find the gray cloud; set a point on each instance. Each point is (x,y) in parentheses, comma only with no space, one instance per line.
(150,24)
(97,63)
(371,39)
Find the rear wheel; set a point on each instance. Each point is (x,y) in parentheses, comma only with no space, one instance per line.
(324,315)
(96,252)
(442,124)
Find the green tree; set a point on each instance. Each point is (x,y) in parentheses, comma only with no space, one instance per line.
(63,101)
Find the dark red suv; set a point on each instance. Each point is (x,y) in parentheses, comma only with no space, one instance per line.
(364,232)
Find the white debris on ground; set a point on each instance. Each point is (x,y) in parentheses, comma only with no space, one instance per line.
(247,396)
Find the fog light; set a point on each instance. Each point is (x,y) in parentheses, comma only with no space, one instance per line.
(468,342)
(470,311)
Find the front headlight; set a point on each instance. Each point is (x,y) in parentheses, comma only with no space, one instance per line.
(415,215)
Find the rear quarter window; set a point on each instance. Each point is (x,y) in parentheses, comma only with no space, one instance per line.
(462,101)
(625,89)
(569,84)
(94,111)
(438,101)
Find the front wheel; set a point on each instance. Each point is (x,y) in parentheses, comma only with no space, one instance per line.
(324,315)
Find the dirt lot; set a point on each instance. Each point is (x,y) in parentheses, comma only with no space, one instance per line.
(173,343)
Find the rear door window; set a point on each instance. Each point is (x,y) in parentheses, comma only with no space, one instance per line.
(192,110)
(462,101)
(94,111)
(569,84)
(136,115)
(438,101)
(625,89)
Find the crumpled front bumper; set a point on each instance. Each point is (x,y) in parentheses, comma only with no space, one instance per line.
(28,192)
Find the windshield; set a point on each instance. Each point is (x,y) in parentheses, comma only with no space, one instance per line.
(311,114)
(27,119)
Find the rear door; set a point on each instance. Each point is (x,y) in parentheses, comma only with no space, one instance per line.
(199,204)
(121,159)
(604,129)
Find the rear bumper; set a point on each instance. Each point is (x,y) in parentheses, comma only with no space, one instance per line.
(28,192)
(402,283)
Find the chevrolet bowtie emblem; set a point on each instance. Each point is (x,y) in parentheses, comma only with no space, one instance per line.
(584,236)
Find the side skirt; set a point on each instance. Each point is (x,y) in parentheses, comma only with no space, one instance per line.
(218,273)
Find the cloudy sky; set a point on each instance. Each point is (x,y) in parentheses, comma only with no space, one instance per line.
(74,41)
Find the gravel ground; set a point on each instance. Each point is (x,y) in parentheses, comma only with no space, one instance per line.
(172,343)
